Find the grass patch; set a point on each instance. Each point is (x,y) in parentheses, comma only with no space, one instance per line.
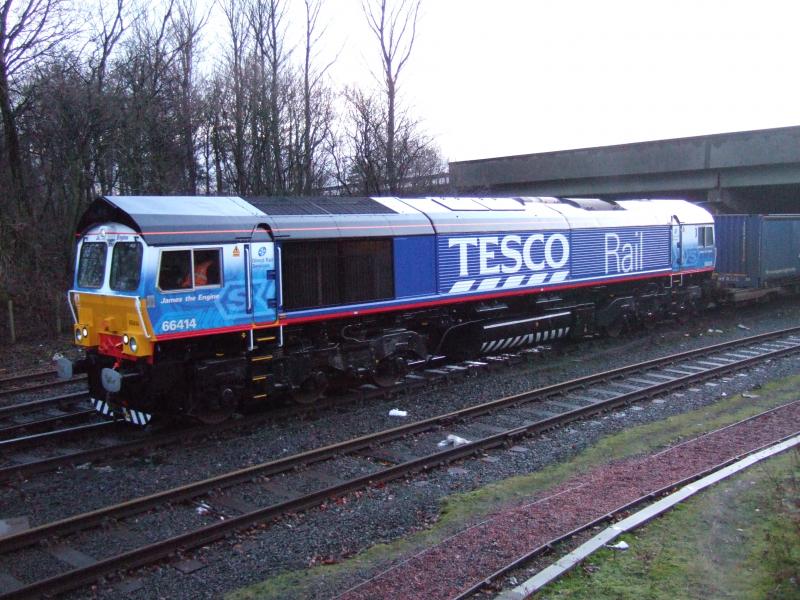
(460,510)
(739,539)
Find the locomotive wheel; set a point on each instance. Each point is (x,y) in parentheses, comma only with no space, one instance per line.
(217,409)
(615,328)
(311,389)
(649,321)
(389,370)
(214,417)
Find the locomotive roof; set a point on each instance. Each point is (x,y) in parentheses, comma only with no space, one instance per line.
(327,217)
(165,220)
(322,205)
(170,220)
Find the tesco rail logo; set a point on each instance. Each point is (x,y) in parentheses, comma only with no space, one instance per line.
(536,252)
(487,262)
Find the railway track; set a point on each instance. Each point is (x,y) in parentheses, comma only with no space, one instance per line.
(47,423)
(42,422)
(56,436)
(33,382)
(49,456)
(261,493)
(55,403)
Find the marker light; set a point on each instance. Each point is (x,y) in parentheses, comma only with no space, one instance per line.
(133,345)
(125,339)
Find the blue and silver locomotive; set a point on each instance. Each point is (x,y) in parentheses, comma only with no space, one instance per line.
(194,305)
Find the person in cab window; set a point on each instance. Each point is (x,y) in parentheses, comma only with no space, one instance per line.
(200,274)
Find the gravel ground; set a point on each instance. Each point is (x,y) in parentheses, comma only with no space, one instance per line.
(32,357)
(391,511)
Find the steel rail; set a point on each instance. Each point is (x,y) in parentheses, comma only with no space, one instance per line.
(200,536)
(32,375)
(46,422)
(54,436)
(40,386)
(26,407)
(46,464)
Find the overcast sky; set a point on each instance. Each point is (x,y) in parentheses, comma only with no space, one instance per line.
(502,77)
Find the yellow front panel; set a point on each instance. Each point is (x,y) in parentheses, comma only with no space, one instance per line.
(115,315)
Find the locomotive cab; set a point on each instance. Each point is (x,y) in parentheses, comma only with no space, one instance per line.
(109,312)
(170,303)
(107,303)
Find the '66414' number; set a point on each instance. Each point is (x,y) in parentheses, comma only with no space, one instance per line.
(179,324)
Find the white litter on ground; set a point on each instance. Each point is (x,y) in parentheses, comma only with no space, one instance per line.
(623,545)
(396,412)
(452,440)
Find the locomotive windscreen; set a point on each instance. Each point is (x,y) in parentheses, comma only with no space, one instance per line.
(329,273)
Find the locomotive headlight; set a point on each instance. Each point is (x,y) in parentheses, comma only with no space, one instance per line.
(125,339)
(78,335)
(85,332)
(133,345)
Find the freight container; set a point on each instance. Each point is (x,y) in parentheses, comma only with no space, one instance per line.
(758,251)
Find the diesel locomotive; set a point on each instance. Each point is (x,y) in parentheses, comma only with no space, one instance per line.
(193,306)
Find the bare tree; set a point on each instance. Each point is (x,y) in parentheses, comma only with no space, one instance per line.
(358,153)
(395,27)
(317,109)
(29,31)
(239,32)
(186,26)
(108,31)
(268,28)
(149,77)
(360,158)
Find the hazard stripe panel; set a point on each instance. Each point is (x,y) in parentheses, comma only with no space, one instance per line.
(524,340)
(135,417)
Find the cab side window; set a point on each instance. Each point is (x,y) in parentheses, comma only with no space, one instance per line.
(176,270)
(206,268)
(705,236)
(188,269)
(709,236)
